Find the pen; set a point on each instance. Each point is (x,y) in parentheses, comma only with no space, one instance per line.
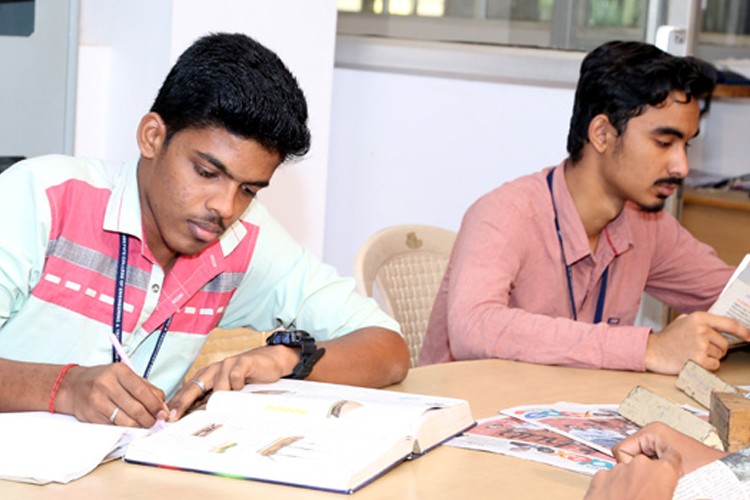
(125,359)
(120,351)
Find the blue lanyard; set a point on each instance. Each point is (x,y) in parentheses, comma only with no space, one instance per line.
(120,282)
(569,269)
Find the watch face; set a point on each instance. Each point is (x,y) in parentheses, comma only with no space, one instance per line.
(293,338)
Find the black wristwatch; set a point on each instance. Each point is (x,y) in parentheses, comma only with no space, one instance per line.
(309,353)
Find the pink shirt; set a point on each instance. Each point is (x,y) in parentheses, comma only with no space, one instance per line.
(505,292)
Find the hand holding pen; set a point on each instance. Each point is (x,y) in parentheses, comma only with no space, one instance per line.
(163,414)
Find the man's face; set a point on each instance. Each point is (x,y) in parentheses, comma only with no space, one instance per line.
(649,159)
(196,186)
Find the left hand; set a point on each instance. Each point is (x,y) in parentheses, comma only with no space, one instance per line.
(262,365)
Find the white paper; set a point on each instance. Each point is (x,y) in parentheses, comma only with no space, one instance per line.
(41,447)
(725,479)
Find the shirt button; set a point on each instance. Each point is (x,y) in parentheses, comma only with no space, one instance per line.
(155,288)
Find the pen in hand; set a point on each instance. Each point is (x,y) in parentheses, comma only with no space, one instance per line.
(120,351)
(126,360)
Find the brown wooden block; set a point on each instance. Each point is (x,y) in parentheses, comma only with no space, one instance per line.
(730,415)
(699,383)
(643,406)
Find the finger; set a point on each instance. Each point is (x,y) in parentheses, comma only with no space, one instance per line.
(709,363)
(191,393)
(141,401)
(622,456)
(728,325)
(120,418)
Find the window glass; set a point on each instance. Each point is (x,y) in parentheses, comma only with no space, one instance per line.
(559,24)
(17,17)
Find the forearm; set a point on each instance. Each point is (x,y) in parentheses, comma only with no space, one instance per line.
(26,386)
(370,357)
(496,331)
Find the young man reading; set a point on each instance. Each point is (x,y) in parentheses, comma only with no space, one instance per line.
(161,251)
(550,268)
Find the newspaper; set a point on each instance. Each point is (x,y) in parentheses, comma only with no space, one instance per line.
(734,300)
(598,426)
(728,479)
(516,438)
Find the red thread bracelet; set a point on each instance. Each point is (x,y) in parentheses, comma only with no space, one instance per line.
(58,381)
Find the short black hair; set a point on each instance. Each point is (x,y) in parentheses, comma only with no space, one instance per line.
(620,79)
(233,82)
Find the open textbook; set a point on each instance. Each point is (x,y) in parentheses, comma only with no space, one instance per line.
(41,447)
(734,300)
(516,438)
(302,433)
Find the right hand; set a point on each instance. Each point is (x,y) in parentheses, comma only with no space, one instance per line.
(653,441)
(693,336)
(640,479)
(92,393)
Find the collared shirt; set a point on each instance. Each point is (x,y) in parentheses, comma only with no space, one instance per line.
(59,243)
(505,291)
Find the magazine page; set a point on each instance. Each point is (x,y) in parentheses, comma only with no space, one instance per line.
(728,479)
(734,300)
(598,426)
(529,441)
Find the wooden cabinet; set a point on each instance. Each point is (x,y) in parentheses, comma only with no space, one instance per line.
(720,218)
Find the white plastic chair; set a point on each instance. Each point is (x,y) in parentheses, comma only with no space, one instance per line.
(402,267)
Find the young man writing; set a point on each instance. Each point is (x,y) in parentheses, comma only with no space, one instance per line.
(550,268)
(161,251)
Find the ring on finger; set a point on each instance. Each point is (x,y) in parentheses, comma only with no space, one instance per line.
(200,385)
(114,414)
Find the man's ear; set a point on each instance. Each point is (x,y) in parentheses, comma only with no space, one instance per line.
(601,132)
(151,135)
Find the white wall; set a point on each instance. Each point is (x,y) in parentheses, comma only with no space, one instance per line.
(421,149)
(128,47)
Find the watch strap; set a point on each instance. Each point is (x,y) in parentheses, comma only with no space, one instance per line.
(310,353)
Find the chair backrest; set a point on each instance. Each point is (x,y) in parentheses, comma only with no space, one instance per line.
(402,267)
(222,343)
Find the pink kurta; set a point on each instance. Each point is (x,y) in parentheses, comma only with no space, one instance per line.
(505,292)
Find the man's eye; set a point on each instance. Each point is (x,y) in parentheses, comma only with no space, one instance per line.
(249,191)
(204,172)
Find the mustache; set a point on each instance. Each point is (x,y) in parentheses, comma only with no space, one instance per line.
(676,181)
(211,221)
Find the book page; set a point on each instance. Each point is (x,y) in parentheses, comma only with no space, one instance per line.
(304,433)
(41,447)
(728,479)
(734,301)
(347,405)
(529,441)
(598,426)
(300,453)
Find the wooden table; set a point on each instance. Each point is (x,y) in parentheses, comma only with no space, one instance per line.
(445,472)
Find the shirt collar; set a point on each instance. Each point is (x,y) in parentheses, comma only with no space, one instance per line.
(123,212)
(575,240)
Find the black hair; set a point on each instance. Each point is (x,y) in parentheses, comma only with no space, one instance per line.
(620,79)
(233,82)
